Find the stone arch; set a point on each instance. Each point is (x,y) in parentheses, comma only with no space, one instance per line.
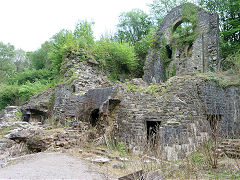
(176,24)
(198,55)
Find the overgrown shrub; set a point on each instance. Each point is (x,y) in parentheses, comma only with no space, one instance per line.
(67,41)
(232,62)
(8,95)
(28,75)
(18,94)
(119,59)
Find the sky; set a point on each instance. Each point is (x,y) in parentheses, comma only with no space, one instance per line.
(27,24)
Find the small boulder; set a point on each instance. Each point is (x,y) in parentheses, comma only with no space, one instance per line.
(118,165)
(100,160)
(19,136)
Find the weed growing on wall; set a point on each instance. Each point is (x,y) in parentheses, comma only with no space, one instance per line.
(185,32)
(190,13)
(19,114)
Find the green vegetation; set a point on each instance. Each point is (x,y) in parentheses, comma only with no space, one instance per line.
(65,42)
(18,94)
(160,8)
(120,55)
(6,60)
(190,14)
(174,70)
(19,114)
(121,148)
(118,59)
(152,89)
(133,26)
(136,28)
(232,62)
(228,11)
(39,59)
(223,79)
(185,32)
(5,130)
(230,74)
(43,75)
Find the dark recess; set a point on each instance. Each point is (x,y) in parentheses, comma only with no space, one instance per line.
(214,120)
(169,51)
(94,117)
(152,128)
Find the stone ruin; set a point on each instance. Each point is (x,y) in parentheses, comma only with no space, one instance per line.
(198,50)
(177,119)
(172,118)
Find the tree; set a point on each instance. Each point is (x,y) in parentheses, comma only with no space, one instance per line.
(20,60)
(84,33)
(67,41)
(229,14)
(39,59)
(133,26)
(7,54)
(160,8)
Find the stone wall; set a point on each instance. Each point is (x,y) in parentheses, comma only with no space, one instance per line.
(9,114)
(224,105)
(201,55)
(179,107)
(37,109)
(84,91)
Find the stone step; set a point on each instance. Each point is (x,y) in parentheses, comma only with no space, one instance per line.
(231,147)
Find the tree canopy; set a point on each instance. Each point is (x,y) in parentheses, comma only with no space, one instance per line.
(133,26)
(121,55)
(229,16)
(7,53)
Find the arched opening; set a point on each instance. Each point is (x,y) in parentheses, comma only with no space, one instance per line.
(182,29)
(94,117)
(169,51)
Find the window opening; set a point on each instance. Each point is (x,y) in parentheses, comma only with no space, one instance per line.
(152,129)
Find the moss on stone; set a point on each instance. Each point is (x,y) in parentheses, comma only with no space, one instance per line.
(18,114)
(222,79)
(154,43)
(189,14)
(174,70)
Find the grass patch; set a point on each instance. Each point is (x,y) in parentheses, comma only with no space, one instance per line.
(223,79)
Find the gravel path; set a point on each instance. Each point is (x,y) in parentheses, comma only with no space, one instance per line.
(51,166)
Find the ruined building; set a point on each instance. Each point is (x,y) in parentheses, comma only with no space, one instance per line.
(186,42)
(173,117)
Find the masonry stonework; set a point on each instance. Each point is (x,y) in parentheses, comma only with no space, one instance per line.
(182,107)
(200,55)
(173,117)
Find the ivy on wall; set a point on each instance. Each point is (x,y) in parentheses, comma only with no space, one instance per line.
(184,32)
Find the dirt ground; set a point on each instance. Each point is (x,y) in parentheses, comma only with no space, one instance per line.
(51,166)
